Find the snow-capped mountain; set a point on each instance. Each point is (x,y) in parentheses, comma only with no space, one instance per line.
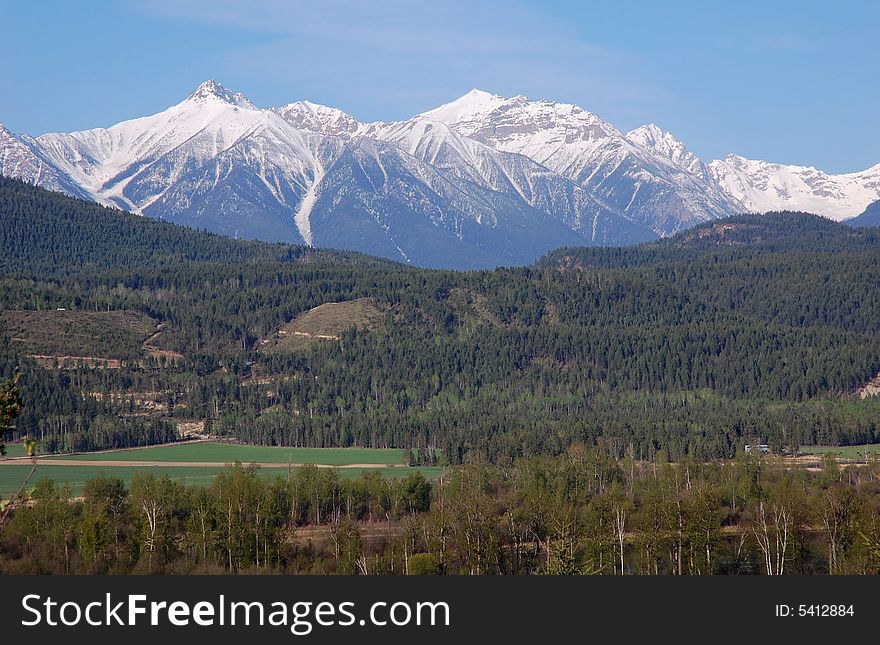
(379,200)
(309,173)
(21,158)
(320,119)
(213,160)
(634,176)
(662,143)
(514,175)
(479,182)
(761,186)
(554,134)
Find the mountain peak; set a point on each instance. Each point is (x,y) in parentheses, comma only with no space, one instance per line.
(651,129)
(480,106)
(212,90)
(314,117)
(478,94)
(6,132)
(474,103)
(651,135)
(659,142)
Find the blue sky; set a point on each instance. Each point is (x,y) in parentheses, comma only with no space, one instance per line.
(783,81)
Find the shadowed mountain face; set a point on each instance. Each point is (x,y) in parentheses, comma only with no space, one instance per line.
(871,216)
(479,182)
(376,200)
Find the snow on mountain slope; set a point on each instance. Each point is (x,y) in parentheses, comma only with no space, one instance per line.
(320,119)
(21,158)
(377,199)
(553,134)
(465,159)
(481,181)
(642,184)
(761,186)
(664,144)
(216,161)
(259,187)
(106,160)
(514,175)
(169,163)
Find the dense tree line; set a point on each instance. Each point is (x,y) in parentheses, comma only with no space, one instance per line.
(59,412)
(580,513)
(753,328)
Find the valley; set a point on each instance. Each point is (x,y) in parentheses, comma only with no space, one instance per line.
(588,413)
(693,345)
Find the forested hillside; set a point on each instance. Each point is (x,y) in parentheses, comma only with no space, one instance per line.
(751,328)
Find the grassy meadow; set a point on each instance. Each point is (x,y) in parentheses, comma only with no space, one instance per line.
(389,462)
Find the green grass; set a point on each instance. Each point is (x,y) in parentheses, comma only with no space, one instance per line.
(14,450)
(848,452)
(76,476)
(228,453)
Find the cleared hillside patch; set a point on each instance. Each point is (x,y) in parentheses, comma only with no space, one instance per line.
(323,323)
(78,334)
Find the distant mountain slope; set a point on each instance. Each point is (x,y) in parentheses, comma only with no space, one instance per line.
(212,161)
(514,175)
(21,158)
(48,234)
(761,186)
(644,185)
(871,216)
(306,173)
(378,201)
(747,234)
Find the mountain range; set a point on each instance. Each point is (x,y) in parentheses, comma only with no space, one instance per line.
(479,182)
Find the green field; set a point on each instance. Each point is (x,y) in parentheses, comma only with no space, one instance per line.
(847,452)
(229,452)
(14,450)
(76,476)
(11,476)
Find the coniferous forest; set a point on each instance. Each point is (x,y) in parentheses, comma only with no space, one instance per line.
(748,329)
(593,407)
